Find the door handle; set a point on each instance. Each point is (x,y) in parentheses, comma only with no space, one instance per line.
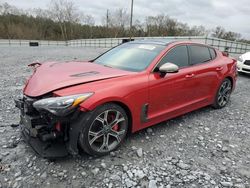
(189,75)
(219,68)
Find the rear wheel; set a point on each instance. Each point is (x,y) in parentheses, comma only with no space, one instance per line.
(223,94)
(104,130)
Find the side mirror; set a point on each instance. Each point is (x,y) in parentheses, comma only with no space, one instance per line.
(168,68)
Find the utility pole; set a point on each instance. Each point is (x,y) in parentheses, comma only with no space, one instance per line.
(131,19)
(107,18)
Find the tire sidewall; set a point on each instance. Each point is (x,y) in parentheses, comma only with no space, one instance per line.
(216,104)
(87,122)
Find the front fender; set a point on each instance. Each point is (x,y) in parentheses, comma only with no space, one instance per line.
(94,102)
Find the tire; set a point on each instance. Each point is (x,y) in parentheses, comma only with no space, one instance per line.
(223,94)
(103,130)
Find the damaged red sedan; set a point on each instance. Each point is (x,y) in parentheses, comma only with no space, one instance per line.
(92,106)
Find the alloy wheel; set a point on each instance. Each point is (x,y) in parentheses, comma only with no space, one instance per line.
(224,93)
(107,131)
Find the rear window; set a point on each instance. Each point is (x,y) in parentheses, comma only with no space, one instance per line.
(199,54)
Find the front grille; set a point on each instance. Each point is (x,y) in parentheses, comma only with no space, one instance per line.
(247,70)
(247,62)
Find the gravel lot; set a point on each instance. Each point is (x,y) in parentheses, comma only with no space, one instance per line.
(205,148)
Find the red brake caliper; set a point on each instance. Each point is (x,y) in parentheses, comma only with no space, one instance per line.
(116,126)
(58,126)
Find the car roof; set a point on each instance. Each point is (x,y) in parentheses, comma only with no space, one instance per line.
(163,42)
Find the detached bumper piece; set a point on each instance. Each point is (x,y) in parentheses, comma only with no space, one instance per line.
(47,135)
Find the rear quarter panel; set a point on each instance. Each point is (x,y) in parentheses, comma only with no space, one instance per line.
(229,69)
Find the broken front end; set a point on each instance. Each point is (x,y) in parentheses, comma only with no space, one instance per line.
(50,124)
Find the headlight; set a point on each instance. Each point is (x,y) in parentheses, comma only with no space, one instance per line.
(240,59)
(61,106)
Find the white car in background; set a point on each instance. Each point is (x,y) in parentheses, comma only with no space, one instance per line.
(243,63)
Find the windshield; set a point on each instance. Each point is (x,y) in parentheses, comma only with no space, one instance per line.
(130,56)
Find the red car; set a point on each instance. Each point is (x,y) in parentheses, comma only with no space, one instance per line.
(93,105)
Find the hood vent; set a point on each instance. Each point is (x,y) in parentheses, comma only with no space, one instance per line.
(91,73)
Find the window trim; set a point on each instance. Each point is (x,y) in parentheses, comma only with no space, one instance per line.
(178,45)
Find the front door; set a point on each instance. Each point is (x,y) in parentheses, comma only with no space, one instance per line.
(172,93)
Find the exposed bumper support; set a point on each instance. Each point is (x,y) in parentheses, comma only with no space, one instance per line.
(52,148)
(44,149)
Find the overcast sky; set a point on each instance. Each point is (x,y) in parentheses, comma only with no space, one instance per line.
(234,15)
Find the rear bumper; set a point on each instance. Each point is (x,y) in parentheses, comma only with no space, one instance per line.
(44,139)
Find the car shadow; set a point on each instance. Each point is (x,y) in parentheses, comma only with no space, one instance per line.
(165,127)
(174,122)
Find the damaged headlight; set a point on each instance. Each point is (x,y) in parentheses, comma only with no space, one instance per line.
(61,106)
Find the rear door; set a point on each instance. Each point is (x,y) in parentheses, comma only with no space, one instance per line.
(205,72)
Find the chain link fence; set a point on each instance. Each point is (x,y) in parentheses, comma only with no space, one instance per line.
(232,47)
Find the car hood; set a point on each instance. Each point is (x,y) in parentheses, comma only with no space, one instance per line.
(56,75)
(246,56)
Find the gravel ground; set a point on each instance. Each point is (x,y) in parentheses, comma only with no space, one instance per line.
(205,148)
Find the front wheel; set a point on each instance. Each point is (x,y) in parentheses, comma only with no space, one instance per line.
(104,130)
(223,94)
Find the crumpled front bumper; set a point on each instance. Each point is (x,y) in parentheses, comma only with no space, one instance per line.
(56,148)
(44,149)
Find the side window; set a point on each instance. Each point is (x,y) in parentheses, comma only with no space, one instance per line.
(212,53)
(177,55)
(199,54)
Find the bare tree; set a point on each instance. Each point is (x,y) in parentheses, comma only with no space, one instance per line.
(63,21)
(65,13)
(6,24)
(118,20)
(137,28)
(41,13)
(163,25)
(219,32)
(160,25)
(6,8)
(232,36)
(87,19)
(198,31)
